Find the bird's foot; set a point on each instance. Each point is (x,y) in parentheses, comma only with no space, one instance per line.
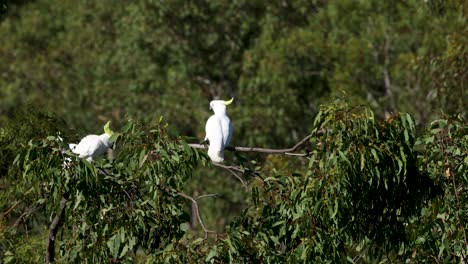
(205,142)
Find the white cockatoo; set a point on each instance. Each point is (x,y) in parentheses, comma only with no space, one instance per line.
(92,146)
(218,130)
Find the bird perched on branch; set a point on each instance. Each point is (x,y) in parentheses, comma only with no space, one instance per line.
(92,146)
(218,130)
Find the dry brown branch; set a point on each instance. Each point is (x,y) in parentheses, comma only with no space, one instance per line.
(53,229)
(25,214)
(287,151)
(206,195)
(232,170)
(8,211)
(197,211)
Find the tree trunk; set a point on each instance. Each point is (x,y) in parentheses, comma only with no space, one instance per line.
(53,229)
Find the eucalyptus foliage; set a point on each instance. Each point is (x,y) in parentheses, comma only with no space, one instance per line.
(359,193)
(441,231)
(114,207)
(371,190)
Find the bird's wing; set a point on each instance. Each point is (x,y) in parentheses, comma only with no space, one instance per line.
(214,133)
(227,130)
(88,146)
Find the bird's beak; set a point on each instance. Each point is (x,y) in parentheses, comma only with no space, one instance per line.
(228,102)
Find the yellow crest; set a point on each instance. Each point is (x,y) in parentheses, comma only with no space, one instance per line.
(107,129)
(228,102)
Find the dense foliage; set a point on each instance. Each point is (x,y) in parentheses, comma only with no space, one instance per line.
(378,181)
(371,191)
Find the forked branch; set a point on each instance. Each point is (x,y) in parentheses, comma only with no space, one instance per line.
(197,211)
(234,170)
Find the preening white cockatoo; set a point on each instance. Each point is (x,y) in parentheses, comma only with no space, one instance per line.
(218,130)
(92,146)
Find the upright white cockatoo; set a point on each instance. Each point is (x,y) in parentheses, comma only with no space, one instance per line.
(92,146)
(218,130)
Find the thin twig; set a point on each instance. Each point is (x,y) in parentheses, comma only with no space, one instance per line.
(28,212)
(206,195)
(8,211)
(298,154)
(195,204)
(231,169)
(360,255)
(104,171)
(238,177)
(228,167)
(130,198)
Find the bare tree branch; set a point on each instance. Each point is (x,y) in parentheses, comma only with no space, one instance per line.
(8,211)
(206,195)
(232,170)
(25,214)
(287,151)
(197,210)
(53,229)
(386,73)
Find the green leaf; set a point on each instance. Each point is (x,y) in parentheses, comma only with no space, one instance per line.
(127,127)
(79,198)
(89,166)
(114,244)
(406,137)
(143,157)
(410,122)
(212,254)
(124,251)
(343,156)
(374,153)
(270,179)
(197,241)
(122,234)
(400,165)
(420,240)
(115,252)
(8,257)
(114,137)
(187,149)
(335,209)
(183,227)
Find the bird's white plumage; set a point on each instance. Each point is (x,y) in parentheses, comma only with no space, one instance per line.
(218,130)
(92,146)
